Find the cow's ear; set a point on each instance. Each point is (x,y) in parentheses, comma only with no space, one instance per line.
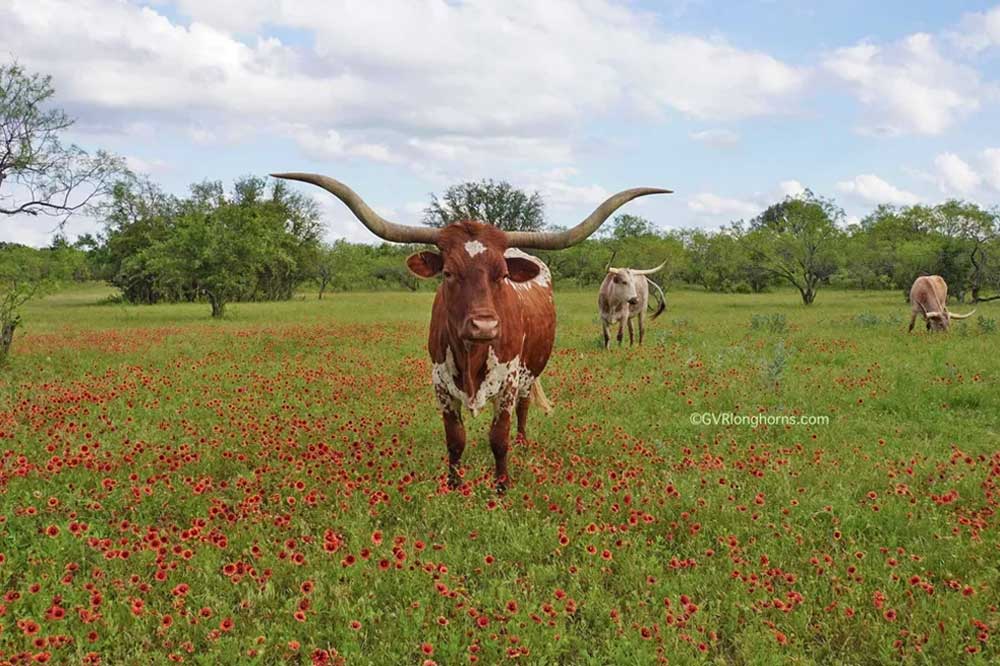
(425,264)
(521,270)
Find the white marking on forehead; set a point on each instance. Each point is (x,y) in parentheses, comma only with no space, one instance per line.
(474,247)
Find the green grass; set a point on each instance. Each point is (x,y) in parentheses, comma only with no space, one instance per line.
(194,444)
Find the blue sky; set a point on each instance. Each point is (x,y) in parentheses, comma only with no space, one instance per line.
(732,105)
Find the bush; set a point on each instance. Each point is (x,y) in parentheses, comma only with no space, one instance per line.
(773,323)
(866,320)
(773,367)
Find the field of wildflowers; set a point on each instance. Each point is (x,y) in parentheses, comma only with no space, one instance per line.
(270,489)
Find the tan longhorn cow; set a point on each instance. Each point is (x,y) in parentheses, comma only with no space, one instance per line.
(623,296)
(929,297)
(493,319)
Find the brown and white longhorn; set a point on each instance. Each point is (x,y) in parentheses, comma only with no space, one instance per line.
(623,296)
(493,319)
(929,297)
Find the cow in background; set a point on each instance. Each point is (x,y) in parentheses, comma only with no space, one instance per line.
(493,319)
(929,296)
(624,295)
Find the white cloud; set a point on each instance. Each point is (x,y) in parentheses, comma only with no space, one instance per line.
(149,167)
(978,31)
(471,150)
(200,135)
(955,175)
(991,159)
(427,77)
(908,87)
(724,209)
(39,230)
(790,188)
(331,146)
(871,189)
(717,138)
(235,16)
(561,194)
(713,205)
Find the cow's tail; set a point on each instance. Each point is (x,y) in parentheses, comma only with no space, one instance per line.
(660,297)
(539,398)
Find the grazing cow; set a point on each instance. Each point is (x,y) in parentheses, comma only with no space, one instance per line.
(929,296)
(624,296)
(493,319)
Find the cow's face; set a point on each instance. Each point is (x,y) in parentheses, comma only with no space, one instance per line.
(938,321)
(477,278)
(622,286)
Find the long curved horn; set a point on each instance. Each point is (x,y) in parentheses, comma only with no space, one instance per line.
(381,227)
(559,240)
(952,315)
(660,297)
(649,271)
(932,314)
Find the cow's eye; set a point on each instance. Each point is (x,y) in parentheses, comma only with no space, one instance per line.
(447,274)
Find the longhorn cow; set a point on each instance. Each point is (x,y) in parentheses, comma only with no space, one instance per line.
(929,296)
(493,319)
(624,296)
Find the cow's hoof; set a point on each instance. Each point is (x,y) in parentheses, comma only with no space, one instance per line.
(501,487)
(454,481)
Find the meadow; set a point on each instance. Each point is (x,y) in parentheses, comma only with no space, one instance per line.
(270,489)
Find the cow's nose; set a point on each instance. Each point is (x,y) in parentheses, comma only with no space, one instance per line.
(481,328)
(633,301)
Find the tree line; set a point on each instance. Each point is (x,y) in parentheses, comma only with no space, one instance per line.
(262,241)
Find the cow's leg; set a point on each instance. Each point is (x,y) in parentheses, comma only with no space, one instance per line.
(621,326)
(604,329)
(631,337)
(522,416)
(642,326)
(500,443)
(454,433)
(503,407)
(913,320)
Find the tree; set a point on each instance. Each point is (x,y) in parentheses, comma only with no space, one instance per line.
(721,261)
(26,273)
(215,252)
(497,203)
(291,226)
(798,240)
(137,216)
(625,226)
(326,266)
(20,279)
(38,174)
(969,226)
(142,223)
